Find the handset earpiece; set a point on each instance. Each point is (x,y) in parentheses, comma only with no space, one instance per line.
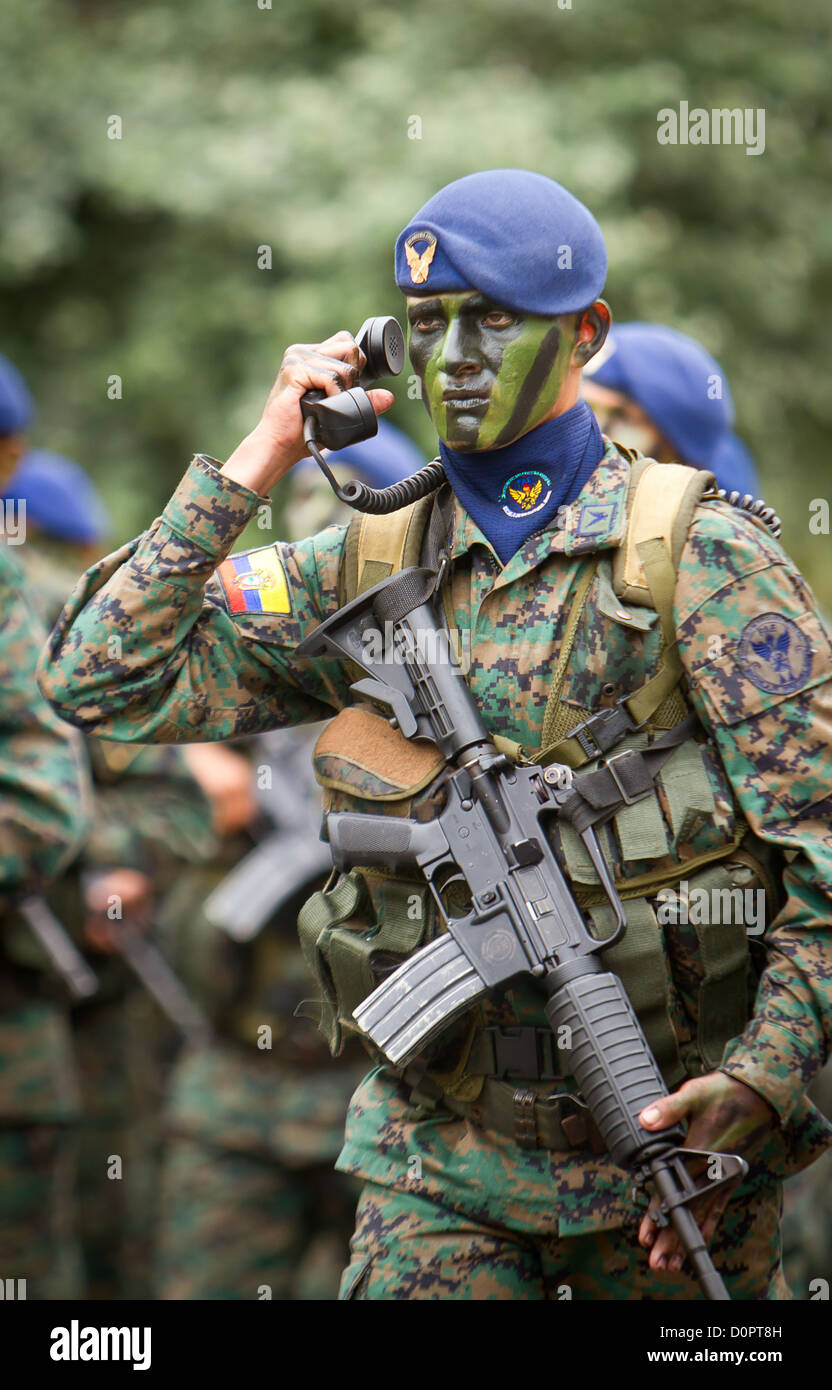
(382,342)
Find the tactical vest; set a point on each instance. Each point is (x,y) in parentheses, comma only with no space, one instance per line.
(361,926)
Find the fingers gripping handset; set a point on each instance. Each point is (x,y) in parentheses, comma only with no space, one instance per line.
(311,373)
(322,399)
(335,422)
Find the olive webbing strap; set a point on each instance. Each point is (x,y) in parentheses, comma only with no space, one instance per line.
(661,581)
(553,704)
(644,702)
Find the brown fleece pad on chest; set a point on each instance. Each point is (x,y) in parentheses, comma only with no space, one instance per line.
(359,739)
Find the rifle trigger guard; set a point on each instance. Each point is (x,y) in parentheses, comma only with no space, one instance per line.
(737,1168)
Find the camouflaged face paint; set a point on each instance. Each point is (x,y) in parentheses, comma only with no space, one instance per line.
(489,374)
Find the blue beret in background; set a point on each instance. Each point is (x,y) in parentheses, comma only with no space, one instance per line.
(733,467)
(385,459)
(16,406)
(684,391)
(61,499)
(517,236)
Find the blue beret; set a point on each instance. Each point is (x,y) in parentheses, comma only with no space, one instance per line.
(16,406)
(516,236)
(682,388)
(733,467)
(386,458)
(61,499)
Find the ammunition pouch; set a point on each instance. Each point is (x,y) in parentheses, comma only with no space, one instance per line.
(354,932)
(361,926)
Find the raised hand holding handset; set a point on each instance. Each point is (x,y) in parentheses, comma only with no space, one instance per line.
(334,422)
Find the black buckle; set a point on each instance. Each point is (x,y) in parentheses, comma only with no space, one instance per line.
(525,1054)
(602,731)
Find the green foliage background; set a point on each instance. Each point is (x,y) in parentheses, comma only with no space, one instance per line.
(246,126)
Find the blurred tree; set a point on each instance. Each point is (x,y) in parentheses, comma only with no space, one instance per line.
(304,135)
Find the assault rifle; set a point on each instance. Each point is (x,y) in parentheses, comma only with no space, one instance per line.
(522,919)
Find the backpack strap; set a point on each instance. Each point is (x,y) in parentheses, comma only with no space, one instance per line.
(378,546)
(661,501)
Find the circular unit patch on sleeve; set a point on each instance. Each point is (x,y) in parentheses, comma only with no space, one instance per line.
(774,654)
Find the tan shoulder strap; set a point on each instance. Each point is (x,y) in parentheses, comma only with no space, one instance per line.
(378,546)
(660,506)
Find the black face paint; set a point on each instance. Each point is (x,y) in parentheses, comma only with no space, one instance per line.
(530,390)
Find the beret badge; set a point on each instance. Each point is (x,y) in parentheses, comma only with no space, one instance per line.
(419,261)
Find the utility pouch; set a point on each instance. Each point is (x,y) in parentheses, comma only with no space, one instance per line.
(361,926)
(353,933)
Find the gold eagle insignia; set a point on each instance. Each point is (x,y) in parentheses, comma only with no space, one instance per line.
(420,262)
(526,497)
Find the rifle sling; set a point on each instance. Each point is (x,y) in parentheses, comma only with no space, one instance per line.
(623,779)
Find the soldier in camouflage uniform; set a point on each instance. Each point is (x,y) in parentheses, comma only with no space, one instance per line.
(45,806)
(483,1177)
(255,1121)
(149,819)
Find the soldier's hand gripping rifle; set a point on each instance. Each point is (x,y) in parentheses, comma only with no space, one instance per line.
(522,919)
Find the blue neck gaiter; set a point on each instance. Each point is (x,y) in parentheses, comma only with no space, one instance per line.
(513,492)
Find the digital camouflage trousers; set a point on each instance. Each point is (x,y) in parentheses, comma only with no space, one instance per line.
(406,1247)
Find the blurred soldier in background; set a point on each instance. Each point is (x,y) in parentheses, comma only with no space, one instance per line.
(251,1205)
(149,817)
(45,798)
(807,1214)
(16,414)
(654,389)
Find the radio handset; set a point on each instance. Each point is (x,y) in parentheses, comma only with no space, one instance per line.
(334,422)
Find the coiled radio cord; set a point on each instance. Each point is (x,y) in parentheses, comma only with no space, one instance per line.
(754,505)
(381,500)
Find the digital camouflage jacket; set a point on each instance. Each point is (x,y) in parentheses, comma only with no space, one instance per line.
(152,646)
(44,795)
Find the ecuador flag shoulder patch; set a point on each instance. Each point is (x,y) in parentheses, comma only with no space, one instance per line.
(255,582)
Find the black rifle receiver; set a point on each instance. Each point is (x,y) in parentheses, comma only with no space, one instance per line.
(523,919)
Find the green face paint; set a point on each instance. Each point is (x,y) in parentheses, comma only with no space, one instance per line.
(488,374)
